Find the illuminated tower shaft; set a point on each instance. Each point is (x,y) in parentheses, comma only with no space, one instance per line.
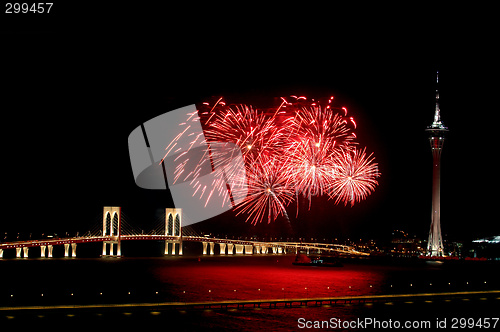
(437,133)
(435,244)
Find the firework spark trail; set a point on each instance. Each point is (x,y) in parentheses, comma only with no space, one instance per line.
(355,177)
(252,134)
(310,151)
(190,165)
(317,138)
(309,168)
(325,126)
(268,192)
(251,131)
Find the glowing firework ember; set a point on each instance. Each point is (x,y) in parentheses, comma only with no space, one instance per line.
(325,127)
(268,192)
(355,177)
(299,148)
(309,167)
(255,134)
(318,137)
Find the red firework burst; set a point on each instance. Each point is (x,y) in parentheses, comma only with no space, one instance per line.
(317,138)
(326,127)
(268,192)
(255,134)
(309,167)
(300,148)
(355,177)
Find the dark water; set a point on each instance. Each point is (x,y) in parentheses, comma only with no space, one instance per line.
(185,279)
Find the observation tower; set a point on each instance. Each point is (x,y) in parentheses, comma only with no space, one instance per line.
(436,137)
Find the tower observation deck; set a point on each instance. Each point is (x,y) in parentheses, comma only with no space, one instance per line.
(436,132)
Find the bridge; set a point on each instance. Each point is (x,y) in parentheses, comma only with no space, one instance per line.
(115,230)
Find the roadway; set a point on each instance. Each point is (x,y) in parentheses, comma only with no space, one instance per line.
(88,239)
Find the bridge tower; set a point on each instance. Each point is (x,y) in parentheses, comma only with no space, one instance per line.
(173,227)
(111,228)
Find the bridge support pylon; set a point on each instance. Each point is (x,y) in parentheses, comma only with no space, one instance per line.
(173,228)
(111,227)
(222,248)
(277,249)
(66,249)
(248,249)
(239,248)
(207,245)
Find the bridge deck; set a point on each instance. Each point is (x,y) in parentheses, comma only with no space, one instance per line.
(263,303)
(88,239)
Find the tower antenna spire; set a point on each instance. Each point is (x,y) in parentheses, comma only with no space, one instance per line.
(437,123)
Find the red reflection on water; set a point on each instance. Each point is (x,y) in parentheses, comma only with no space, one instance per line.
(270,277)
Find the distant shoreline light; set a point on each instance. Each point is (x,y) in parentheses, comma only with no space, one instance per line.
(493,239)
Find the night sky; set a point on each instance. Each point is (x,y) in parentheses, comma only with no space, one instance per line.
(76,90)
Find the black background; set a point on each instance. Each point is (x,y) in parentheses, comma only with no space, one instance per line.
(77,82)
